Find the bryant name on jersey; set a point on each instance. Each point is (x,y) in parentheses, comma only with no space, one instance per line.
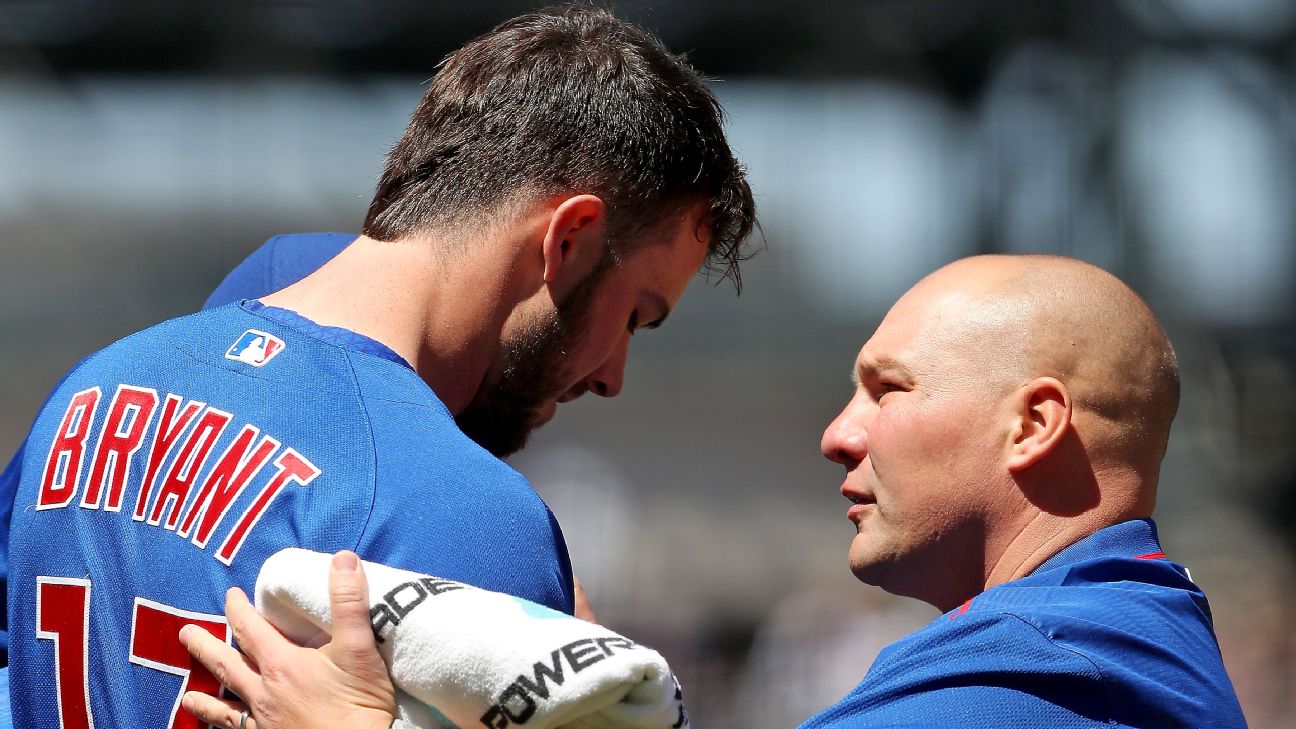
(139,421)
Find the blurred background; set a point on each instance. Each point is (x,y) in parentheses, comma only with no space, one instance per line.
(146,147)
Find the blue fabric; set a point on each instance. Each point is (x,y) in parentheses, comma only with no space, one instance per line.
(8,487)
(345,338)
(1107,633)
(5,716)
(396,481)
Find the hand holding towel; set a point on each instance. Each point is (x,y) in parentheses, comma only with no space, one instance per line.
(466,657)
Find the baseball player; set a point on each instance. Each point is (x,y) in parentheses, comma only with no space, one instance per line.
(561,182)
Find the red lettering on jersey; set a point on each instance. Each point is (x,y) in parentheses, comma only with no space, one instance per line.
(168,430)
(292,466)
(121,436)
(155,643)
(231,474)
(182,474)
(63,465)
(63,616)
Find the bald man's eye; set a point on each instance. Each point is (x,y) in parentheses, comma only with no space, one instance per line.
(886,388)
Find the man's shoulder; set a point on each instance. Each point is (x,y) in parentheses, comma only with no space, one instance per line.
(433,449)
(160,343)
(982,669)
(977,639)
(985,666)
(1121,639)
(228,340)
(1105,605)
(278,262)
(424,462)
(444,505)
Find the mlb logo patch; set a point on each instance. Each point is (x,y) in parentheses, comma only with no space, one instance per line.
(255,348)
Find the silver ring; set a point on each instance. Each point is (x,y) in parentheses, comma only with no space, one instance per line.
(243,719)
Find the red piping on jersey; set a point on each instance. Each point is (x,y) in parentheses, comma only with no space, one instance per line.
(1151,555)
(961,610)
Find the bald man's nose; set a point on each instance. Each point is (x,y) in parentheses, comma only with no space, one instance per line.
(845,440)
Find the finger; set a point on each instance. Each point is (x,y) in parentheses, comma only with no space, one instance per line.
(225,663)
(353,636)
(583,609)
(217,712)
(254,634)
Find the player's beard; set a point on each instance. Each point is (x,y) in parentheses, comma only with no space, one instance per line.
(501,416)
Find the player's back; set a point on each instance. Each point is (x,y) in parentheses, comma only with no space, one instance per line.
(170,465)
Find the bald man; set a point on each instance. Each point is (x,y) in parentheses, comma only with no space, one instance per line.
(1002,450)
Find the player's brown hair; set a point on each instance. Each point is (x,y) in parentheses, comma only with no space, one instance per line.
(569,99)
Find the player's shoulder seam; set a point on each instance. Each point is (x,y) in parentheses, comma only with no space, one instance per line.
(271,247)
(425,400)
(373,456)
(158,329)
(424,404)
(1085,657)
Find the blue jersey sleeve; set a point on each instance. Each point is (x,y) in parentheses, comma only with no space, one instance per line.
(981,671)
(1107,633)
(444,506)
(280,261)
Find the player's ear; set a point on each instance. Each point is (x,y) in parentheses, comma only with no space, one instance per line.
(1041,417)
(574,242)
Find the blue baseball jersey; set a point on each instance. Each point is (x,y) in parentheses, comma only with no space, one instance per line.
(168,466)
(280,261)
(1107,633)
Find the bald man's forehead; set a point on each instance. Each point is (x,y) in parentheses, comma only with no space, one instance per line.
(941,334)
(935,309)
(912,327)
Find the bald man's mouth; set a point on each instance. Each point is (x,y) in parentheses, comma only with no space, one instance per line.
(861,502)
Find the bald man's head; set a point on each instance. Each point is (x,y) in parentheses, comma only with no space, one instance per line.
(1036,315)
(1005,407)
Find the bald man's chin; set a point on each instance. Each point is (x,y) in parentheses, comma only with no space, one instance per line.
(864,563)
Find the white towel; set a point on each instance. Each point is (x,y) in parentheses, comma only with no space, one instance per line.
(466,657)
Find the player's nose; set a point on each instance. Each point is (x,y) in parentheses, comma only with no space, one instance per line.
(609,377)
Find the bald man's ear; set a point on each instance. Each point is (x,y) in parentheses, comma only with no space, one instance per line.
(574,242)
(1042,416)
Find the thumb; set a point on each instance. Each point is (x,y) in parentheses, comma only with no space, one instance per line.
(353,643)
(583,609)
